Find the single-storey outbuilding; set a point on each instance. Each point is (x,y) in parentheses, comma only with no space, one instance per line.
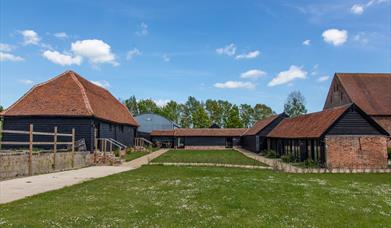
(200,138)
(254,139)
(70,101)
(341,137)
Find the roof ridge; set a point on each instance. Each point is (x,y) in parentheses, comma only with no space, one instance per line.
(32,89)
(83,93)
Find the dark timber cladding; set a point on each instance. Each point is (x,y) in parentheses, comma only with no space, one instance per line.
(201,138)
(304,136)
(70,101)
(254,139)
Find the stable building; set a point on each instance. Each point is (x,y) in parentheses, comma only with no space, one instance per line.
(200,138)
(370,91)
(70,101)
(341,137)
(254,139)
(152,122)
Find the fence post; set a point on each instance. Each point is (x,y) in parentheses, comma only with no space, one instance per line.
(31,149)
(95,144)
(111,146)
(54,147)
(73,147)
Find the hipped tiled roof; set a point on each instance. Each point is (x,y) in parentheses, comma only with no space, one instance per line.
(69,94)
(259,125)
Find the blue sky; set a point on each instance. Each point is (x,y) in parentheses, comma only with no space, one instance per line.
(241,51)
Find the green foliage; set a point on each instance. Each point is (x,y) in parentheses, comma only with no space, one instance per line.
(288,158)
(389,153)
(196,114)
(233,120)
(1,108)
(271,154)
(309,163)
(116,152)
(295,104)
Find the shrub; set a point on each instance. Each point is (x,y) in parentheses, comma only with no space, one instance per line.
(309,163)
(288,158)
(116,152)
(389,153)
(271,154)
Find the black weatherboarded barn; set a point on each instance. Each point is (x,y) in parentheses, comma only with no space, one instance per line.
(70,101)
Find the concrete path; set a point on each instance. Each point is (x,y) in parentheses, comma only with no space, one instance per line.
(11,190)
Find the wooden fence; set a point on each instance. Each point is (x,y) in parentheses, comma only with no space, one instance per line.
(31,142)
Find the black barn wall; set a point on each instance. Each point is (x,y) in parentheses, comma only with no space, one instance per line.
(83,129)
(123,133)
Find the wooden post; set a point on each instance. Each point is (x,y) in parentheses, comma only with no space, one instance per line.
(31,150)
(104,150)
(111,146)
(54,147)
(95,144)
(73,147)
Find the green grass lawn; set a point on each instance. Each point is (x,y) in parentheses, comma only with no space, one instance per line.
(136,154)
(205,196)
(207,156)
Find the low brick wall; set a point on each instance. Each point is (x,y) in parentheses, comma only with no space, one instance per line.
(356,152)
(15,164)
(205,148)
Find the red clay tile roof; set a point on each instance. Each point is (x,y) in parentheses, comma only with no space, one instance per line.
(69,94)
(308,126)
(230,132)
(162,133)
(371,92)
(260,124)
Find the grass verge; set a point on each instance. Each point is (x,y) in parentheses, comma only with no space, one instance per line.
(207,156)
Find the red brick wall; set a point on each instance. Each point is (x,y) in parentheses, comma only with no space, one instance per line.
(356,151)
(385,122)
(205,148)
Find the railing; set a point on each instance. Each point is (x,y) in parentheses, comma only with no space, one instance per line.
(104,144)
(141,142)
(31,142)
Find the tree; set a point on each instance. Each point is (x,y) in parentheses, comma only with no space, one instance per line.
(262,111)
(246,115)
(225,107)
(233,120)
(148,106)
(295,104)
(172,111)
(1,108)
(200,118)
(132,106)
(185,117)
(214,110)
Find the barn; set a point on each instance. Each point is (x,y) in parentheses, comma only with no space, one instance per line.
(341,137)
(70,101)
(201,138)
(150,122)
(370,91)
(254,139)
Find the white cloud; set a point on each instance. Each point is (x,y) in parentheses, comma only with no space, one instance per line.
(161,103)
(62,59)
(133,53)
(323,78)
(30,37)
(362,38)
(103,83)
(357,9)
(6,47)
(61,35)
(249,55)
(229,50)
(166,58)
(293,73)
(254,74)
(307,42)
(143,30)
(26,81)
(235,85)
(9,57)
(96,51)
(335,36)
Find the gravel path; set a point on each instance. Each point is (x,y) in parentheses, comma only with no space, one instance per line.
(11,190)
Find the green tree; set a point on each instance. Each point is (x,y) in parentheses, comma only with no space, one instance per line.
(246,115)
(225,107)
(214,110)
(1,108)
(172,111)
(200,118)
(262,111)
(295,104)
(148,106)
(185,117)
(233,120)
(132,106)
